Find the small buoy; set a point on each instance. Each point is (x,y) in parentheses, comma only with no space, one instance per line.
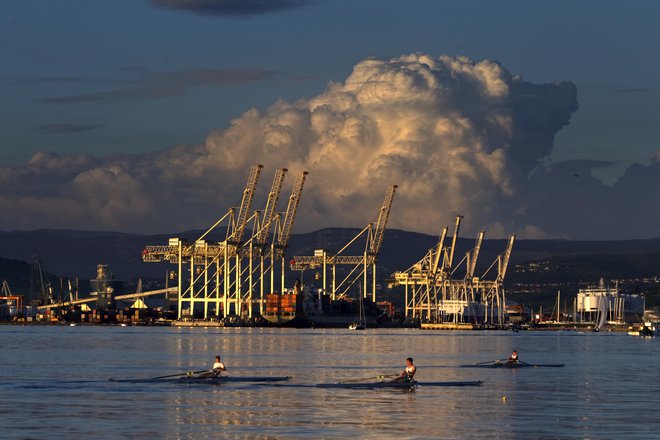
(503,398)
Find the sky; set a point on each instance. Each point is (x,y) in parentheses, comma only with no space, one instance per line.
(535,118)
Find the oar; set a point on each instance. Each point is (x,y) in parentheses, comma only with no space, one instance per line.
(180,374)
(489,362)
(541,365)
(381,377)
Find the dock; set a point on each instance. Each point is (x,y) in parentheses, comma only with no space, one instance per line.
(198,323)
(446,326)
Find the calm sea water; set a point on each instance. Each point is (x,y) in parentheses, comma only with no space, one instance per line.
(54,384)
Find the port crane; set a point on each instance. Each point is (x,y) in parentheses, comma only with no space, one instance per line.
(261,257)
(358,266)
(219,262)
(283,232)
(219,277)
(493,295)
(255,248)
(426,281)
(208,261)
(435,293)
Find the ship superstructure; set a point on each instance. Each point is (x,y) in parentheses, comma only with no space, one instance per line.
(606,305)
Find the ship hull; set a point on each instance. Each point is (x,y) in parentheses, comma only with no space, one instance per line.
(306,310)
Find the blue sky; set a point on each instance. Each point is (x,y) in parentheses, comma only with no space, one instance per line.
(141,76)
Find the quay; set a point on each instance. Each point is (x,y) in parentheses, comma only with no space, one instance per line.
(447,326)
(180,323)
(580,327)
(539,326)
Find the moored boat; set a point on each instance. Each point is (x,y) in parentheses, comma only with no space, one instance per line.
(311,308)
(648,329)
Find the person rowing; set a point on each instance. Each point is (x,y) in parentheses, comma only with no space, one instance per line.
(513,359)
(408,372)
(216,370)
(218,367)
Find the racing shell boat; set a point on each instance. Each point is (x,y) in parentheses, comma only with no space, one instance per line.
(509,364)
(398,384)
(369,385)
(211,380)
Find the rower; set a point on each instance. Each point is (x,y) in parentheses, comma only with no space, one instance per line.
(408,372)
(513,359)
(218,367)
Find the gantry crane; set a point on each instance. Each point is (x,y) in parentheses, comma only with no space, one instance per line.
(222,260)
(208,261)
(362,264)
(492,292)
(283,233)
(461,296)
(434,294)
(256,249)
(219,275)
(180,250)
(425,281)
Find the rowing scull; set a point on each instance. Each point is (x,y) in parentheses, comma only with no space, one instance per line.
(208,380)
(398,384)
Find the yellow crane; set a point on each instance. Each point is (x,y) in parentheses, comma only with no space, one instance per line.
(361,264)
(432,293)
(219,276)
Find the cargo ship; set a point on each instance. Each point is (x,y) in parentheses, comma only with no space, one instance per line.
(310,308)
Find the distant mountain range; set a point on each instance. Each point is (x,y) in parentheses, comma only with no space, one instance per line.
(76,253)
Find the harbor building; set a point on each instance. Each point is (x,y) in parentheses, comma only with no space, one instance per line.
(602,303)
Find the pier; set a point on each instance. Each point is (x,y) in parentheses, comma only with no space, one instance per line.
(179,323)
(447,326)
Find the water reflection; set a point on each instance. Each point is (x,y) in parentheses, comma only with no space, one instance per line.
(54,384)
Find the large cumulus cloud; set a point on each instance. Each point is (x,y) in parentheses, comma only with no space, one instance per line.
(457,136)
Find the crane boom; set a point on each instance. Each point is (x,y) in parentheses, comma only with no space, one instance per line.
(246,204)
(505,260)
(271,204)
(439,250)
(383,216)
(475,255)
(292,207)
(450,260)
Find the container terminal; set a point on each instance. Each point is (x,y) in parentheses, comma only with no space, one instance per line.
(240,281)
